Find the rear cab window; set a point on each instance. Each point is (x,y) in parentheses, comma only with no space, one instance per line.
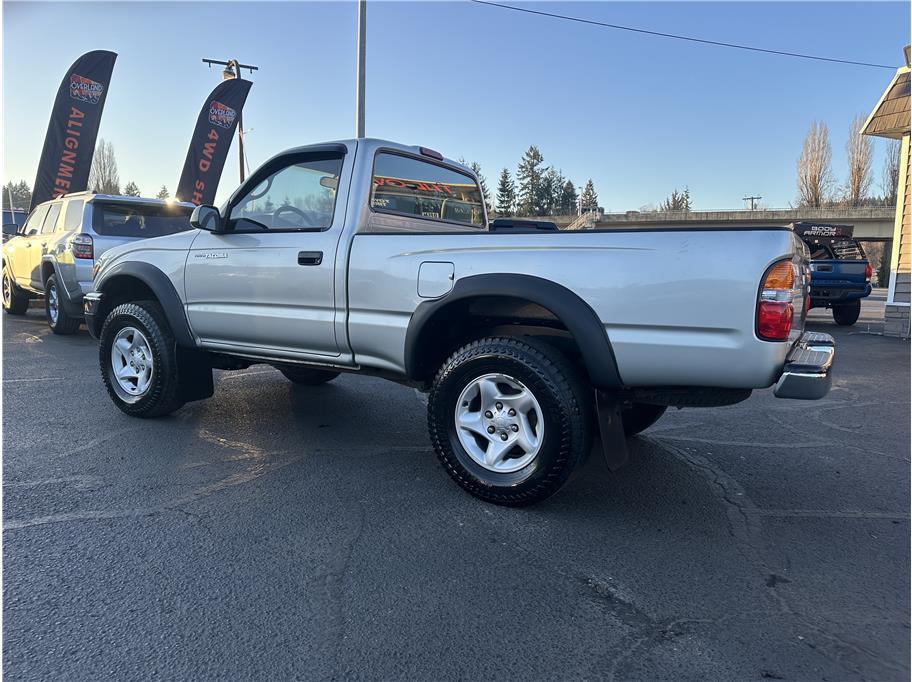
(407,186)
(111,219)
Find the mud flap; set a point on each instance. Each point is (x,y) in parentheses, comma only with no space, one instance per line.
(611,430)
(195,374)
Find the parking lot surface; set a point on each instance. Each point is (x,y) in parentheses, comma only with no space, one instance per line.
(278,531)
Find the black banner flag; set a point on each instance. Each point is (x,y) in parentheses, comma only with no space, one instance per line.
(211,140)
(70,140)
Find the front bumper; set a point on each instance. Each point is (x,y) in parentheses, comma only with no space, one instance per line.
(806,375)
(91,305)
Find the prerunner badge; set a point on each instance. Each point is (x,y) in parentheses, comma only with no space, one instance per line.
(221,114)
(85,89)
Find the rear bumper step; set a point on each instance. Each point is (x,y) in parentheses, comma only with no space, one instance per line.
(806,375)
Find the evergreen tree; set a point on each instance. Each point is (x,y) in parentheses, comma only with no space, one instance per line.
(506,194)
(531,192)
(589,199)
(568,198)
(553,184)
(20,192)
(677,201)
(131,190)
(163,193)
(476,168)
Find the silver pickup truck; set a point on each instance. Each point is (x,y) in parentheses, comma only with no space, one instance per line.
(378,258)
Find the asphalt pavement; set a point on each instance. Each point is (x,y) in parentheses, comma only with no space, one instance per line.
(278,532)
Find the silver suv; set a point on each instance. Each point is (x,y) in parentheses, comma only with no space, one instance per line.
(57,247)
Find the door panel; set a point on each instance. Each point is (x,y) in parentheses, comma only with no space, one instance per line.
(20,249)
(250,290)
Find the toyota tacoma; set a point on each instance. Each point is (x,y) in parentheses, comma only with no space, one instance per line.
(378,258)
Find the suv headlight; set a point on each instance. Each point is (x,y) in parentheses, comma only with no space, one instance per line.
(99,264)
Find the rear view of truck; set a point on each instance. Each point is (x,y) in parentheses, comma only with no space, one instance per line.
(840,271)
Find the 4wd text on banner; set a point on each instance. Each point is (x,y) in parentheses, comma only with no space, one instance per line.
(211,139)
(70,140)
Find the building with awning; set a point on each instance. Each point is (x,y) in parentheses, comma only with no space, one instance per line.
(890,119)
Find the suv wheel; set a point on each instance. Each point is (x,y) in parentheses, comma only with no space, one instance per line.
(640,416)
(508,419)
(307,376)
(15,301)
(138,358)
(847,314)
(57,318)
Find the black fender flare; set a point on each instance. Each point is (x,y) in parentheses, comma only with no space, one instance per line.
(575,314)
(163,289)
(72,307)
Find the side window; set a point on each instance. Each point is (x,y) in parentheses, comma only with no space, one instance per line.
(299,196)
(405,185)
(72,219)
(33,224)
(50,222)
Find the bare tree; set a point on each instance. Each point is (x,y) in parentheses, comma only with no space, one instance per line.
(815,178)
(858,152)
(103,176)
(890,178)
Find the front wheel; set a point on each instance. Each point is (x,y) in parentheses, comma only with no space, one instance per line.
(54,311)
(508,419)
(15,301)
(847,314)
(138,358)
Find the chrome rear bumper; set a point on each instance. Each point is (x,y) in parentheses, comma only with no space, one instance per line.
(806,375)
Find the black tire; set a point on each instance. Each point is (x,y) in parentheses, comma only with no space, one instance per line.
(163,394)
(847,313)
(561,393)
(64,324)
(640,416)
(15,300)
(307,376)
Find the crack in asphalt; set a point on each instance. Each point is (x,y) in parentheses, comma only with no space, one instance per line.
(745,527)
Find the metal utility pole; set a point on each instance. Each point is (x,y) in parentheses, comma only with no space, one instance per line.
(233,70)
(753,201)
(362,40)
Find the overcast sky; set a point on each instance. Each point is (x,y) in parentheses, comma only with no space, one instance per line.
(638,114)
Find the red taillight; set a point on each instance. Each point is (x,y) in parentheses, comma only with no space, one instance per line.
(774,320)
(869,271)
(83,247)
(774,309)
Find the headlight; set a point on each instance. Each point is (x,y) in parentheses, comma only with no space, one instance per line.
(99,264)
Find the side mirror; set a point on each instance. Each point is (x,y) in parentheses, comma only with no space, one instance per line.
(206,218)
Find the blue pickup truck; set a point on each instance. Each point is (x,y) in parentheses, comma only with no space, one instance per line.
(840,271)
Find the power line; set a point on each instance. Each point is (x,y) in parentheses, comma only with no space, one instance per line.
(680,37)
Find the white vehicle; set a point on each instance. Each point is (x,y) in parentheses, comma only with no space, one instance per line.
(373,257)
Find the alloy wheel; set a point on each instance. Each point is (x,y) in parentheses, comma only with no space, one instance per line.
(499,423)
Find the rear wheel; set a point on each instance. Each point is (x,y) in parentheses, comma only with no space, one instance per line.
(57,318)
(640,416)
(138,358)
(847,313)
(15,301)
(509,420)
(307,376)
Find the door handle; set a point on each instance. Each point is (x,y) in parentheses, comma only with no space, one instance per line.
(310,257)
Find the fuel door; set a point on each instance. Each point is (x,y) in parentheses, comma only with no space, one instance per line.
(435,279)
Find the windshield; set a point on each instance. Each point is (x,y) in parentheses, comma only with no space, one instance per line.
(138,220)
